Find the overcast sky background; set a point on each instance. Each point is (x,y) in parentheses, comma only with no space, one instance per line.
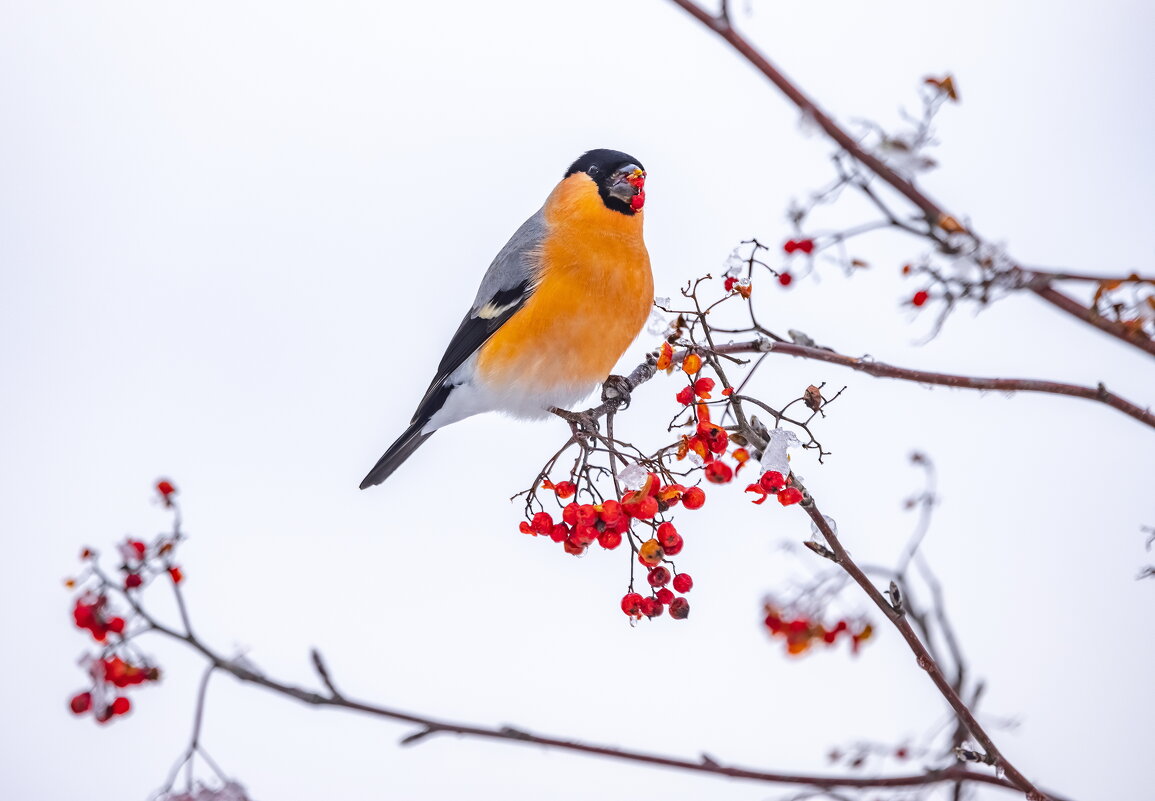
(235,238)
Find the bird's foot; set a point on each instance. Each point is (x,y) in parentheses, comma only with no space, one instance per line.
(617,388)
(582,424)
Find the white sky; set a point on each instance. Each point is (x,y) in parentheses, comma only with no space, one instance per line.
(235,237)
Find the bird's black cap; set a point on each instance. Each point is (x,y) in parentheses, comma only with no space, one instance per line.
(602,161)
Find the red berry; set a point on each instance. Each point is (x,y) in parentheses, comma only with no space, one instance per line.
(573,547)
(719,472)
(683,582)
(805,245)
(611,511)
(116,625)
(609,539)
(703,386)
(667,534)
(80,703)
(638,200)
(542,523)
(665,596)
(658,577)
(559,532)
(569,513)
(685,396)
(920,297)
(679,609)
(650,607)
(165,488)
(643,507)
(789,495)
(565,489)
(790,246)
(631,603)
(728,284)
(138,548)
(121,705)
(693,498)
(785,279)
(674,547)
(177,576)
(587,515)
(525,528)
(772,481)
(132,580)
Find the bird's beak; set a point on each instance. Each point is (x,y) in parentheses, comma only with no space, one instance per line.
(630,186)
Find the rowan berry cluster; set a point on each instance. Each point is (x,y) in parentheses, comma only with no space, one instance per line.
(612,521)
(117,666)
(801,631)
(774,483)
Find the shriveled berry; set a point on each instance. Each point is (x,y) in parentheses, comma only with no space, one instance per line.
(685,396)
(679,609)
(559,532)
(692,363)
(703,386)
(565,489)
(693,498)
(789,495)
(650,553)
(80,703)
(573,547)
(683,582)
(658,577)
(631,604)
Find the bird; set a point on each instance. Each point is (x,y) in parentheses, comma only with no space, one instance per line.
(558,306)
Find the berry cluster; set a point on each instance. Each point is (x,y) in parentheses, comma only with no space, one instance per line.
(802,631)
(774,483)
(609,522)
(109,671)
(117,666)
(799,246)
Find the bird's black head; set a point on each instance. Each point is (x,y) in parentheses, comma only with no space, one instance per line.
(620,178)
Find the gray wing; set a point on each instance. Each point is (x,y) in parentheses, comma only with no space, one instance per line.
(507,284)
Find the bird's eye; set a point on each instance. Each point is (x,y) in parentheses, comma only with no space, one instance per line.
(592,171)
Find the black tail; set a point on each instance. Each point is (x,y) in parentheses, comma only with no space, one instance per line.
(398,452)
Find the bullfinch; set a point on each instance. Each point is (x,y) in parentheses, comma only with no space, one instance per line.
(555,311)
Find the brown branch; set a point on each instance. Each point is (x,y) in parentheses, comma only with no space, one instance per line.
(922,655)
(1059,300)
(935,214)
(430,726)
(1099,394)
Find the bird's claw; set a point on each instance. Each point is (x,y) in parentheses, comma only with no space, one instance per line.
(617,388)
(582,424)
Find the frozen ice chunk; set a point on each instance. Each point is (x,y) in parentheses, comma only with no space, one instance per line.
(633,476)
(775,456)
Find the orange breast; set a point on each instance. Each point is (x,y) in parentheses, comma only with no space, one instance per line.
(594,297)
